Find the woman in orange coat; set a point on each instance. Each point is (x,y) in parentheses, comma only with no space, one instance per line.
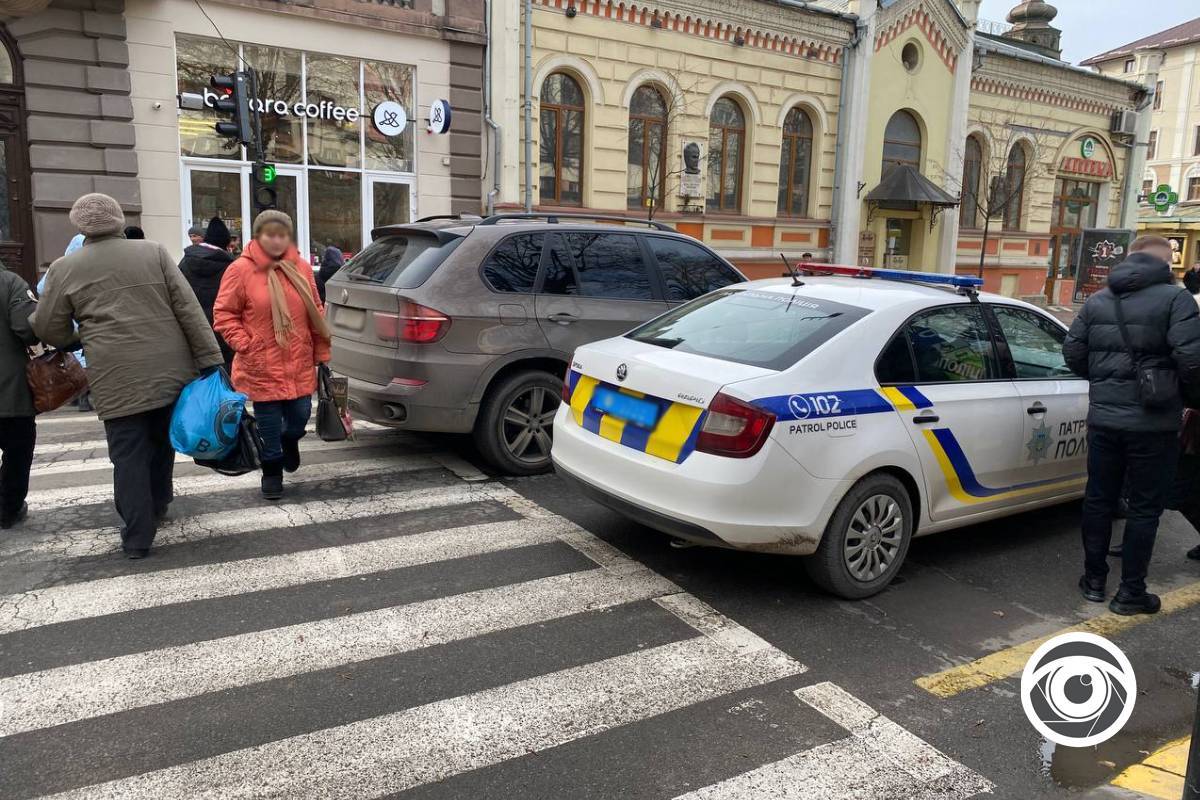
(269,312)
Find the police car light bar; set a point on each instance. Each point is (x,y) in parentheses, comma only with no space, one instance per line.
(957,281)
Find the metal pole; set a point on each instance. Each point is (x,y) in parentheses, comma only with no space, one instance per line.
(528,106)
(1191,784)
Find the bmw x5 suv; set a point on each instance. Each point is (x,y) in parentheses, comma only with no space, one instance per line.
(466,325)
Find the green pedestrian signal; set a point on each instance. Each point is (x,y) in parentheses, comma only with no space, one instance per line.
(267,173)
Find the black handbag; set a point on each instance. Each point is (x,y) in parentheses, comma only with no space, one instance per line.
(1158,387)
(246,455)
(333,423)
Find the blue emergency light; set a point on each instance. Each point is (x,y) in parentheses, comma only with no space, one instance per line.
(938,278)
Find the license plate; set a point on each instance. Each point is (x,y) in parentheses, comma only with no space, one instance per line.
(634,410)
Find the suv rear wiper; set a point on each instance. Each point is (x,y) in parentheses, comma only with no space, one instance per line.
(360,278)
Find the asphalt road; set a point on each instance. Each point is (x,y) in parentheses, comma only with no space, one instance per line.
(402,624)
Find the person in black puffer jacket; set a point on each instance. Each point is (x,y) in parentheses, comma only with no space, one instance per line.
(204,265)
(1128,444)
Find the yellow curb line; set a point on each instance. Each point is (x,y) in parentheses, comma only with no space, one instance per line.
(1009,662)
(1161,775)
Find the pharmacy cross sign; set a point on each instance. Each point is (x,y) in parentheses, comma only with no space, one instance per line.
(1164,199)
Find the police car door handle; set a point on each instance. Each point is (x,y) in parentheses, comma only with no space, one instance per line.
(1035,409)
(926,419)
(563,318)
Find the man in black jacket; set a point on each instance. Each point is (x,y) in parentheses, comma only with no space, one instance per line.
(17,429)
(1130,444)
(204,265)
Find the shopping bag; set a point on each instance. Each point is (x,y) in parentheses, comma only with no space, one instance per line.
(245,455)
(206,417)
(333,414)
(54,377)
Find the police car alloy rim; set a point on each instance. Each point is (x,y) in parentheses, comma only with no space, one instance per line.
(874,538)
(527,424)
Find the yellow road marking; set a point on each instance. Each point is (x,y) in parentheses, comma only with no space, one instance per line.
(1007,663)
(1161,775)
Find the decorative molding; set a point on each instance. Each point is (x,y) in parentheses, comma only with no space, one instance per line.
(812,105)
(565,62)
(703,26)
(742,91)
(940,32)
(653,76)
(1042,96)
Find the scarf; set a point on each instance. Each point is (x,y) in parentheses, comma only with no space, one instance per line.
(281,318)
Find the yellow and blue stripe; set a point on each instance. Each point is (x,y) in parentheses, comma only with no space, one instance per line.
(673,437)
(966,488)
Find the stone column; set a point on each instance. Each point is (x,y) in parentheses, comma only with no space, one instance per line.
(80,115)
(856,100)
(947,258)
(1149,64)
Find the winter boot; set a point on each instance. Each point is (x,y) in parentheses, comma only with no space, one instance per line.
(1128,605)
(291,454)
(272,479)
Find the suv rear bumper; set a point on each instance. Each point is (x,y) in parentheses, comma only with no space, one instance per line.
(409,407)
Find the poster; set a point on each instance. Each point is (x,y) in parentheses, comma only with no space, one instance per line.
(1099,251)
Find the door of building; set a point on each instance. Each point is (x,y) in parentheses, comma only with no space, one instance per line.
(16,211)
(1075,208)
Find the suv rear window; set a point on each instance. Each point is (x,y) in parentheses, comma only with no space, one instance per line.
(773,330)
(402,262)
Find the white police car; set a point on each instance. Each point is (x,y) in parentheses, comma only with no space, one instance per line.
(835,419)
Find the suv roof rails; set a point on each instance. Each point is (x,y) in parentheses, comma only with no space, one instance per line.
(461,217)
(553,218)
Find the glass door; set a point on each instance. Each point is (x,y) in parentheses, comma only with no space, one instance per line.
(388,201)
(215,191)
(291,198)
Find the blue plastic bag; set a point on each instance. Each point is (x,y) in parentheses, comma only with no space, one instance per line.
(205,421)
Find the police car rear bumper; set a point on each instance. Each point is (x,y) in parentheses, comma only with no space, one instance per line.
(767,503)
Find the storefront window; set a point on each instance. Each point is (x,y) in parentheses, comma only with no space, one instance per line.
(216,194)
(331,142)
(335,216)
(279,90)
(390,202)
(197,60)
(383,82)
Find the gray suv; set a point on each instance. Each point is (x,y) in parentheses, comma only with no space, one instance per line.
(463,324)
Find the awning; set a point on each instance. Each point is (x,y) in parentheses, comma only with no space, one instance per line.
(905,185)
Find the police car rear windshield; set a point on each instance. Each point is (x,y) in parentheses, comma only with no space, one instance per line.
(773,330)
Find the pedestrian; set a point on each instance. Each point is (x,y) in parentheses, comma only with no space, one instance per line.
(331,261)
(145,336)
(195,234)
(18,432)
(134,232)
(203,266)
(270,312)
(1185,491)
(1140,327)
(235,245)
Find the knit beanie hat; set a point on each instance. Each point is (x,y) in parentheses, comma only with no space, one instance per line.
(271,216)
(97,215)
(217,233)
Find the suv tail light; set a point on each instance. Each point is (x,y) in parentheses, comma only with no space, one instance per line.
(734,428)
(415,323)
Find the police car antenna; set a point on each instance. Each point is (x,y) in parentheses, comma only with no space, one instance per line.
(796,282)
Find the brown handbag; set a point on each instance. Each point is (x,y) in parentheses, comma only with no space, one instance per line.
(55,377)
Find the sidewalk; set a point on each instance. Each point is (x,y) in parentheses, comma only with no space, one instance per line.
(1159,777)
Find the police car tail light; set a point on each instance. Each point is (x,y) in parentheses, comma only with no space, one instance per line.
(733,428)
(566,390)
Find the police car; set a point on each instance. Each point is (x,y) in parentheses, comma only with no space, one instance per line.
(832,416)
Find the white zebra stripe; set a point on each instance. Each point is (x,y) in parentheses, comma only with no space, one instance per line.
(185,485)
(428,743)
(76,601)
(95,541)
(75,692)
(390,434)
(66,418)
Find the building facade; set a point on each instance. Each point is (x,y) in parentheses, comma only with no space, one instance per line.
(97,81)
(1169,62)
(855,132)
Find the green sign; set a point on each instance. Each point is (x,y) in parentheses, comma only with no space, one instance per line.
(267,173)
(1088,147)
(1164,198)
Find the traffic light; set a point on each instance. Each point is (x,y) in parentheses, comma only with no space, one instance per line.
(233,98)
(262,187)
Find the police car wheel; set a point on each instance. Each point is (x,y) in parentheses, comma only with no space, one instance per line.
(516,422)
(866,540)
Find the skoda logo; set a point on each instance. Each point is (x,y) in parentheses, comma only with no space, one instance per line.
(622,372)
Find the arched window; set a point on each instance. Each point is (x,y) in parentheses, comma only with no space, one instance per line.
(1014,181)
(901,143)
(968,211)
(795,164)
(8,75)
(647,147)
(726,143)
(561,148)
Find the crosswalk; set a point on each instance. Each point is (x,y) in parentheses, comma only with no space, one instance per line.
(395,625)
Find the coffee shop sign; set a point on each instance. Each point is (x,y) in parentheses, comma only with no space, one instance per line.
(326,109)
